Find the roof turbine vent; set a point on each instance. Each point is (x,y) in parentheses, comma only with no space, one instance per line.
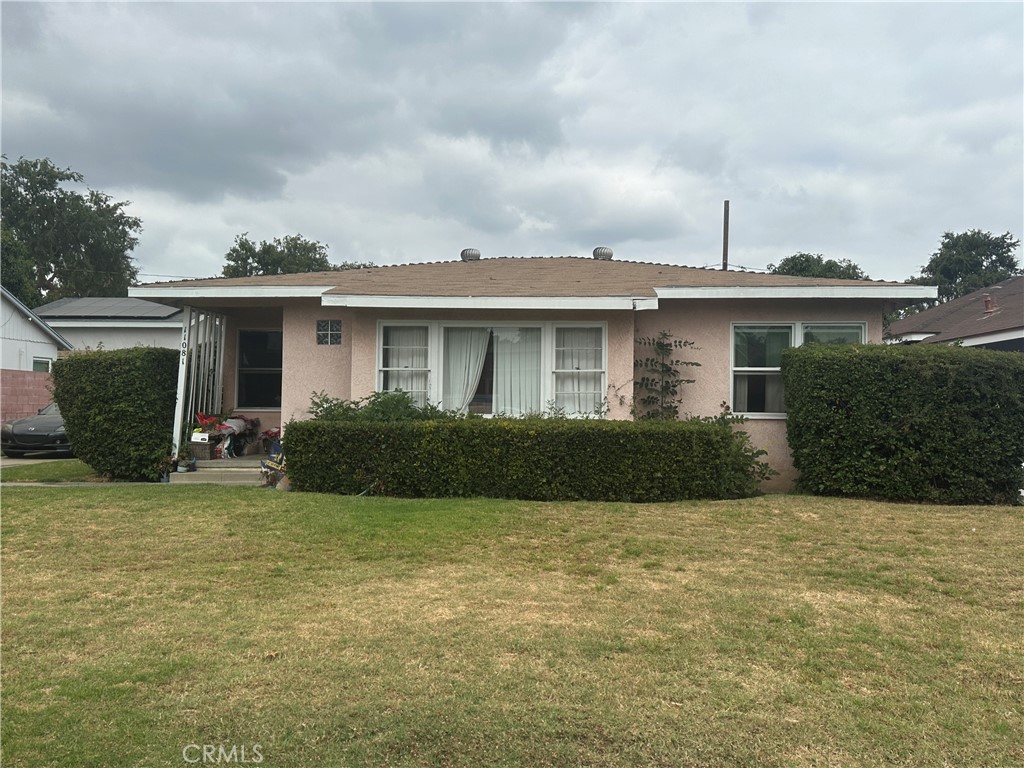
(470,254)
(603,253)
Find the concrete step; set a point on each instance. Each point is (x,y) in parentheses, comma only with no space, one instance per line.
(241,471)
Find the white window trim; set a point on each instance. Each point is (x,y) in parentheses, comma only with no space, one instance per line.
(47,360)
(797,329)
(435,352)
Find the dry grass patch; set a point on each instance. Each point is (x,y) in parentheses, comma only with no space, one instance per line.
(774,631)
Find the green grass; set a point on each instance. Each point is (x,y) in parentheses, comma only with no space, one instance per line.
(780,631)
(62,471)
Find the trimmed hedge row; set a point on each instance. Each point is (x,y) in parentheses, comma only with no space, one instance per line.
(545,460)
(907,423)
(118,408)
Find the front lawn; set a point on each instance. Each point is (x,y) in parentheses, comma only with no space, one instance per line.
(142,624)
(62,471)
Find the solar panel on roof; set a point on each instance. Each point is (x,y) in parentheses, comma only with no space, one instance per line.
(107,307)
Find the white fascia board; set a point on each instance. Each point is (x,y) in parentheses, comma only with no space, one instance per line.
(116,323)
(479,302)
(909,337)
(230,292)
(992,338)
(909,292)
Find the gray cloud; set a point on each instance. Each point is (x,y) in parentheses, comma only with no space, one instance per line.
(407,131)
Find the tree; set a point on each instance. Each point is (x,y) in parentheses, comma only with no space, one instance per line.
(967,261)
(70,243)
(815,265)
(282,256)
(16,268)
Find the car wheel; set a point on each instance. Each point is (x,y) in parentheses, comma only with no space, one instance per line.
(14,454)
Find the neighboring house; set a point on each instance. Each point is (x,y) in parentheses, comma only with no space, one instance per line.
(511,336)
(114,323)
(992,317)
(29,347)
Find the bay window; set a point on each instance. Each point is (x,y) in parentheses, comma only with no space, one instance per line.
(757,359)
(500,369)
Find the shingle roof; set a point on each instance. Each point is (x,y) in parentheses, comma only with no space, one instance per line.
(968,316)
(520,277)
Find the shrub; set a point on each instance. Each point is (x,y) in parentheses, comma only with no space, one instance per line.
(378,407)
(540,459)
(907,423)
(118,409)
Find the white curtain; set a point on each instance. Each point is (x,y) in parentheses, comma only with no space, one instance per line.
(739,393)
(578,365)
(517,371)
(405,361)
(464,352)
(774,397)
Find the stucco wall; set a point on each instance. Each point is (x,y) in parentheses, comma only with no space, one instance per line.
(349,370)
(708,324)
(310,367)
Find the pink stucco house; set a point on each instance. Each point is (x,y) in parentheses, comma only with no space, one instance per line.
(510,336)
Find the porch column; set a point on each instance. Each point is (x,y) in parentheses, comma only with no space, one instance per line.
(179,403)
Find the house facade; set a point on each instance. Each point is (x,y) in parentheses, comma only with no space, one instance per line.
(511,336)
(28,348)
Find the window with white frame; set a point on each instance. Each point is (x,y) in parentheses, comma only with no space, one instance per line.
(404,362)
(500,369)
(757,359)
(579,370)
(41,364)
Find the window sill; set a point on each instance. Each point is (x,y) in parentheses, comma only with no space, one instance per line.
(762,416)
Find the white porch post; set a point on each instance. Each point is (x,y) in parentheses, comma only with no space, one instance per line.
(179,403)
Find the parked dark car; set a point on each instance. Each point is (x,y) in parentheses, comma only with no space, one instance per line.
(43,433)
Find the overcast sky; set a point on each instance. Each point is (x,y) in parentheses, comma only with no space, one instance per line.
(399,133)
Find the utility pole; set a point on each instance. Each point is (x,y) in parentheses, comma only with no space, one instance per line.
(725,237)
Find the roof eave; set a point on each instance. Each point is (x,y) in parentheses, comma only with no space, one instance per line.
(884,292)
(488,302)
(178,293)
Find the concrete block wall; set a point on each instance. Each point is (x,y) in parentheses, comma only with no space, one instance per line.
(23,393)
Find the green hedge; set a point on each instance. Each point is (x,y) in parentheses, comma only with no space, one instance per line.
(907,423)
(538,459)
(118,409)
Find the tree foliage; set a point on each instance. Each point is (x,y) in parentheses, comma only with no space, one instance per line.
(815,265)
(281,256)
(59,242)
(967,261)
